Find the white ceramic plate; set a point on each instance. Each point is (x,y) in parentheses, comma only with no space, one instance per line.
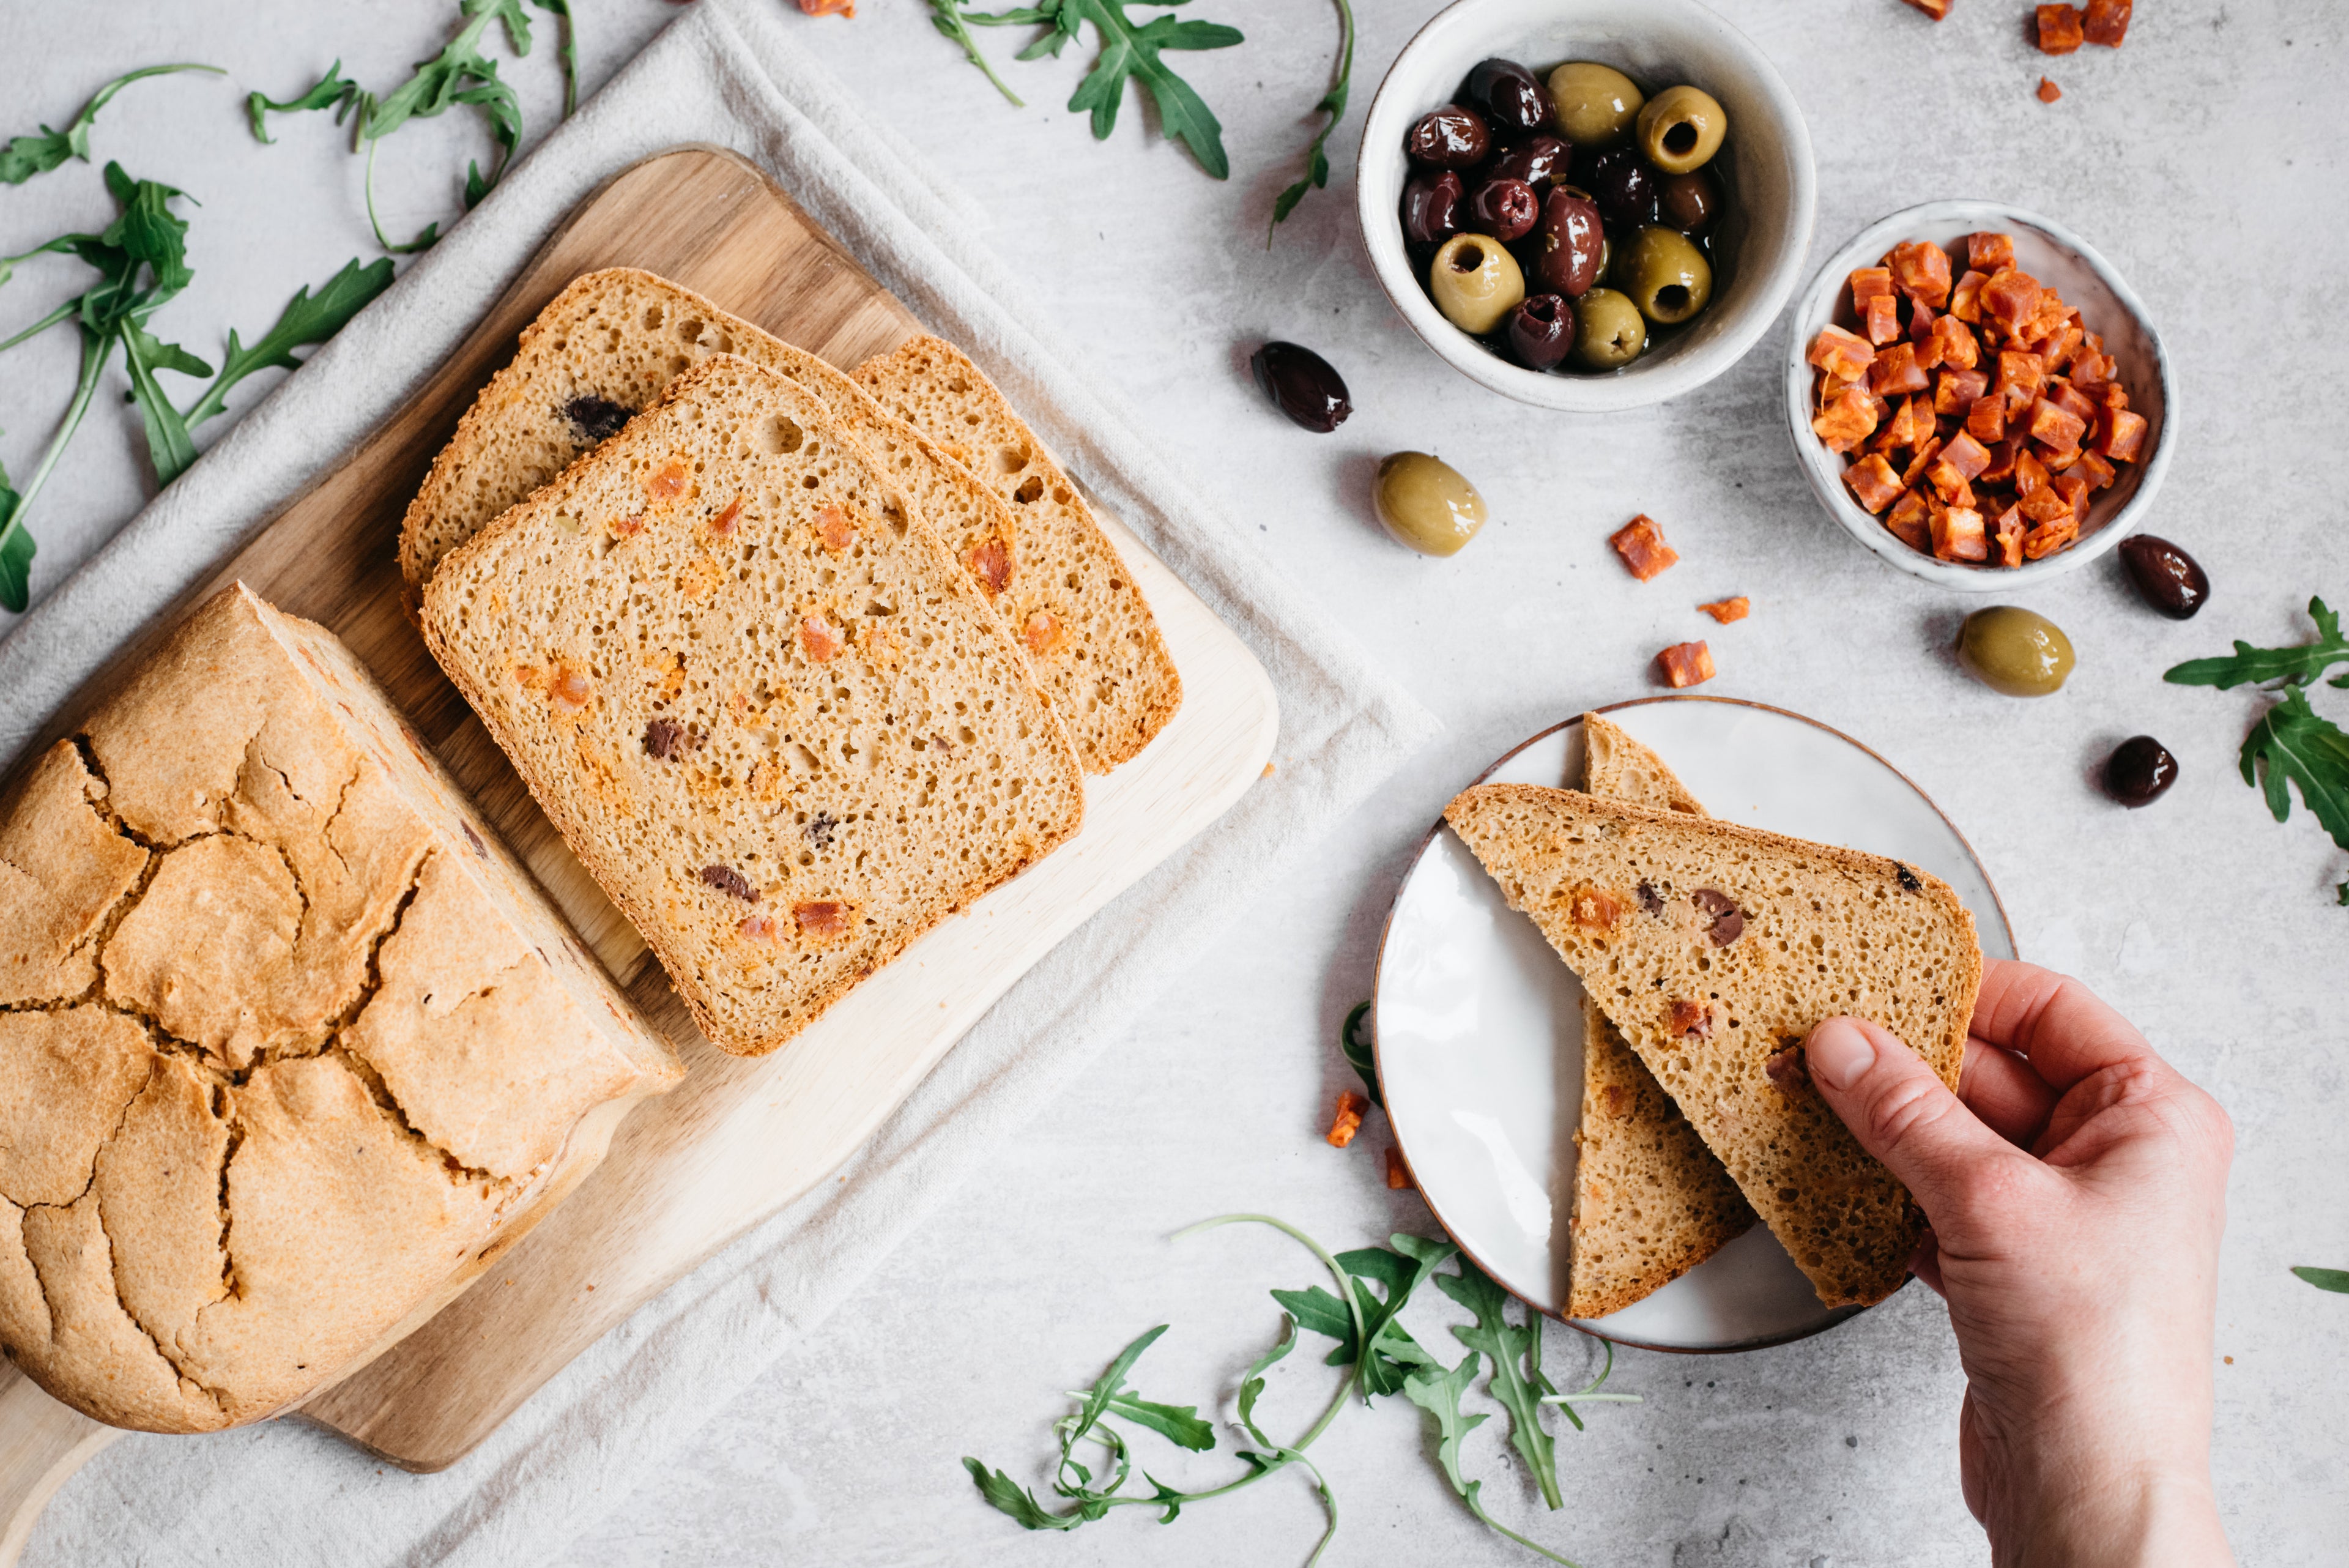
(1478,1026)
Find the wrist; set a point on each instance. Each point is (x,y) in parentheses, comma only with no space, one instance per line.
(2089,1515)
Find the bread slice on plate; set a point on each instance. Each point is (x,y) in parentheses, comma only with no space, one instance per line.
(1651,1201)
(759,701)
(1070,601)
(1714,948)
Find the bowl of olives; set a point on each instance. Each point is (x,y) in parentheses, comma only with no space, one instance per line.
(1586,204)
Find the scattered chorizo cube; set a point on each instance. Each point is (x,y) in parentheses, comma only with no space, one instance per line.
(1908,520)
(1399,1176)
(2106,21)
(2061,29)
(2048,91)
(1730,610)
(1896,371)
(1986,418)
(1686,664)
(1869,282)
(2010,297)
(1959,347)
(1641,543)
(1348,1119)
(2058,426)
(1959,536)
(1955,392)
(1965,299)
(1936,9)
(2049,538)
(1846,422)
(1844,355)
(1922,270)
(1882,318)
(2120,436)
(1987,251)
(1873,484)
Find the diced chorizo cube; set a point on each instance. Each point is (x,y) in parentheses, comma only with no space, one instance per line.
(1986,418)
(1686,664)
(1897,372)
(2106,21)
(2120,435)
(2030,473)
(1347,1120)
(1959,534)
(1928,450)
(2046,319)
(2020,372)
(1869,282)
(2074,488)
(2010,297)
(1908,520)
(1873,484)
(2096,471)
(1965,299)
(2044,504)
(2059,349)
(2057,458)
(2007,531)
(2058,426)
(2061,29)
(2049,538)
(2091,370)
(2114,395)
(1876,405)
(1847,422)
(1956,391)
(1922,270)
(2048,91)
(1901,430)
(1936,9)
(1729,609)
(1845,355)
(1987,251)
(2064,395)
(1881,319)
(1957,343)
(1967,455)
(1948,484)
(2000,470)
(1641,543)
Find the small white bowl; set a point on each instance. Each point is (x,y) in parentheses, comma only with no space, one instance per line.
(1758,244)
(2055,256)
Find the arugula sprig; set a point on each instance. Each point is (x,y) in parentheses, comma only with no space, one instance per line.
(1333,104)
(25,156)
(2296,666)
(1511,1353)
(2335,1280)
(333,91)
(950,18)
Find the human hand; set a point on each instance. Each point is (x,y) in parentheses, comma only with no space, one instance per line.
(2076,1187)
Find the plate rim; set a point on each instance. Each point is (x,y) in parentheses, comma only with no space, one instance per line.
(1835,1317)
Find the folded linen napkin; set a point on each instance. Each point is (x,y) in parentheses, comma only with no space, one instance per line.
(726,73)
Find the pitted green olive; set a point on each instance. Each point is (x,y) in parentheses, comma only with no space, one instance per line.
(1608,331)
(1665,274)
(1594,104)
(1681,128)
(1425,503)
(2014,651)
(1476,282)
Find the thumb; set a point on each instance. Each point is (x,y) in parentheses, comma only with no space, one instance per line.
(1903,1114)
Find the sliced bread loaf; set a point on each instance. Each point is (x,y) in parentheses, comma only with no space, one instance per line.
(1715,949)
(1651,1201)
(758,697)
(1069,598)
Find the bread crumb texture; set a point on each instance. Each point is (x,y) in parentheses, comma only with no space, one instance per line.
(1714,948)
(757,696)
(286,1039)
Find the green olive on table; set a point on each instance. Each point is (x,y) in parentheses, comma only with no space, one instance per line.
(1665,274)
(1608,331)
(1681,128)
(1425,503)
(1594,104)
(1476,281)
(2014,651)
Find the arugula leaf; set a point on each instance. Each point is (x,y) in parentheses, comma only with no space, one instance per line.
(950,18)
(2298,666)
(16,554)
(1393,1351)
(169,445)
(1178,1423)
(1513,1352)
(333,91)
(1358,1052)
(307,320)
(2326,1279)
(25,156)
(1438,1393)
(2299,744)
(1130,50)
(1317,161)
(1001,1492)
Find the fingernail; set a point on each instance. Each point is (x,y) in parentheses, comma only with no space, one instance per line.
(1839,1052)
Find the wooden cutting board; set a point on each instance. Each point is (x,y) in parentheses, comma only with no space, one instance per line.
(740,1138)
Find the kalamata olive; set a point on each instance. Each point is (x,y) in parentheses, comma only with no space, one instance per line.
(1681,128)
(1505,209)
(1476,282)
(2014,651)
(1665,274)
(1541,331)
(1450,138)
(1513,98)
(1567,242)
(1541,162)
(1431,207)
(2166,575)
(1623,186)
(1593,104)
(1609,330)
(1687,202)
(1425,503)
(1302,385)
(2139,770)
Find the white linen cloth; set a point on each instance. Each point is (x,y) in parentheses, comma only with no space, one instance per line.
(725,72)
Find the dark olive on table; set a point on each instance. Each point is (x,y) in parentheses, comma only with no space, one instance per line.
(1302,385)
(1609,330)
(1431,207)
(1539,161)
(1541,331)
(1513,97)
(1687,202)
(1593,103)
(1568,242)
(2167,575)
(1450,138)
(1623,186)
(1665,274)
(2139,770)
(2014,651)
(1505,209)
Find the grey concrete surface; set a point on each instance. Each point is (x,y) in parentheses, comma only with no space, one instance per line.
(2203,159)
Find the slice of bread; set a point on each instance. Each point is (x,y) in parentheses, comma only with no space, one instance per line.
(1067,599)
(756,697)
(1651,1201)
(1715,949)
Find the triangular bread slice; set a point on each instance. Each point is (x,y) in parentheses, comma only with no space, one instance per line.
(1715,949)
(761,701)
(1651,1201)
(1072,603)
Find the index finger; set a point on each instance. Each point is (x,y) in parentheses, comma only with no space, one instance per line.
(2063,1028)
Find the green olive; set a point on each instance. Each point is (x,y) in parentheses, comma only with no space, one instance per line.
(1424,503)
(1476,281)
(1665,274)
(1595,104)
(2014,651)
(1608,331)
(1681,128)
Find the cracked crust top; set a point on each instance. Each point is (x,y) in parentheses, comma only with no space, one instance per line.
(288,1041)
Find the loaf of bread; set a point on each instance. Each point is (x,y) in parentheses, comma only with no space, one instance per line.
(759,701)
(1068,599)
(1714,948)
(1651,1201)
(292,1047)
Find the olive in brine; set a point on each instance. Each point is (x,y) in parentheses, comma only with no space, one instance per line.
(1302,385)
(1449,137)
(1609,330)
(1425,503)
(1431,207)
(1623,186)
(1665,274)
(2167,575)
(1681,128)
(2139,770)
(1541,331)
(1568,242)
(1689,201)
(1541,162)
(1513,98)
(2014,651)
(1476,282)
(1593,104)
(1505,209)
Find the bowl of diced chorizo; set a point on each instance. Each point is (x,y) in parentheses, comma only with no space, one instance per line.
(1977,396)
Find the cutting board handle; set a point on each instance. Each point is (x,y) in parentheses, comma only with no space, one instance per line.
(41,1443)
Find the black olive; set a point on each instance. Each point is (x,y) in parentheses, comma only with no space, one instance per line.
(1623,185)
(1570,242)
(1431,207)
(2139,770)
(1449,137)
(1539,161)
(1505,209)
(1541,331)
(1302,385)
(2166,575)
(1512,96)
(1689,201)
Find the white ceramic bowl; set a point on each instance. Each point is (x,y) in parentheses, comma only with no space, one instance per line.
(1758,244)
(2064,260)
